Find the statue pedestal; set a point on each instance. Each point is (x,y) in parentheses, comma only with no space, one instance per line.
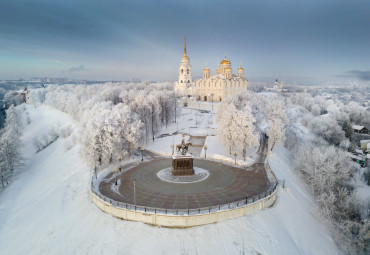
(182,165)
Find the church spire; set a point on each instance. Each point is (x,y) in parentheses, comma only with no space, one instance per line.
(185,45)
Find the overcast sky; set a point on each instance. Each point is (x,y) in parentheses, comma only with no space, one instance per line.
(120,40)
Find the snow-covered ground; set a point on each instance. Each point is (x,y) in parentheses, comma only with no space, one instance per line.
(196,123)
(47,210)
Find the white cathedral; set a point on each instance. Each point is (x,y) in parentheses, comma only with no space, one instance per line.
(210,88)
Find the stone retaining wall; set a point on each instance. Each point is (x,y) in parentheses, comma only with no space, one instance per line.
(184,221)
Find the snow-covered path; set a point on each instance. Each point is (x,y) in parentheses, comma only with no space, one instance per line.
(47,210)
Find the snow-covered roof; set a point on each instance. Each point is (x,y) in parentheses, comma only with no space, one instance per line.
(356,157)
(357,127)
(359,151)
(221,76)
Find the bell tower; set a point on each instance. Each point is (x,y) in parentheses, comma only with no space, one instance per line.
(185,78)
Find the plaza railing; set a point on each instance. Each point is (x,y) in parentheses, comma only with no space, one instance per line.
(197,211)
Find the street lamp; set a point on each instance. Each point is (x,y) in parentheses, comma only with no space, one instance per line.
(175,106)
(205,151)
(172,146)
(120,159)
(212,94)
(235,154)
(142,149)
(115,172)
(135,192)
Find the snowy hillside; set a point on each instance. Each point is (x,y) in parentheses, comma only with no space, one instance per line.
(47,210)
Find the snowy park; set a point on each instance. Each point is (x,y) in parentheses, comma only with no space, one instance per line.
(49,194)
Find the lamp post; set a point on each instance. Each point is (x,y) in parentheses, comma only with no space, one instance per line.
(120,159)
(135,192)
(205,151)
(142,149)
(212,100)
(115,172)
(172,146)
(175,107)
(235,154)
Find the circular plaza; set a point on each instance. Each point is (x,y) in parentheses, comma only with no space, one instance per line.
(149,193)
(141,185)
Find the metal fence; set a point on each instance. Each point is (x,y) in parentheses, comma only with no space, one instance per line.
(197,211)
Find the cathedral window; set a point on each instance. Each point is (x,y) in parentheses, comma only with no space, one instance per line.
(187,71)
(188,81)
(182,70)
(181,81)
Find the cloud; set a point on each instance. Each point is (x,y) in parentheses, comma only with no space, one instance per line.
(74,69)
(361,75)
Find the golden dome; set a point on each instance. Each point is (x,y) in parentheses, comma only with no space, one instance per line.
(240,68)
(225,61)
(185,57)
(228,68)
(206,69)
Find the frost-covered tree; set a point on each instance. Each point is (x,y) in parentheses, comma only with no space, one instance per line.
(10,145)
(153,107)
(277,118)
(13,98)
(248,137)
(347,128)
(236,128)
(324,167)
(123,130)
(115,117)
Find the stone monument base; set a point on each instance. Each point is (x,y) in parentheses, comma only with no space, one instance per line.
(182,165)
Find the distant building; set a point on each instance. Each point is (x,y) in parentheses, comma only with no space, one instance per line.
(277,86)
(360,129)
(365,145)
(210,88)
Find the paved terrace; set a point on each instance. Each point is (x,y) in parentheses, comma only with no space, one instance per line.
(225,184)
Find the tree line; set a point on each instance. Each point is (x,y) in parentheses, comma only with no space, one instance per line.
(318,138)
(115,118)
(10,144)
(243,117)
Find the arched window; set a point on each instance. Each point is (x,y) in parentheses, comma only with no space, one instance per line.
(182,70)
(188,81)
(181,81)
(187,71)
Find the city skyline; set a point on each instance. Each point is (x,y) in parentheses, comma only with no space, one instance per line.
(142,39)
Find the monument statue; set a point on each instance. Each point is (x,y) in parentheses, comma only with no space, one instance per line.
(182,162)
(183,147)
